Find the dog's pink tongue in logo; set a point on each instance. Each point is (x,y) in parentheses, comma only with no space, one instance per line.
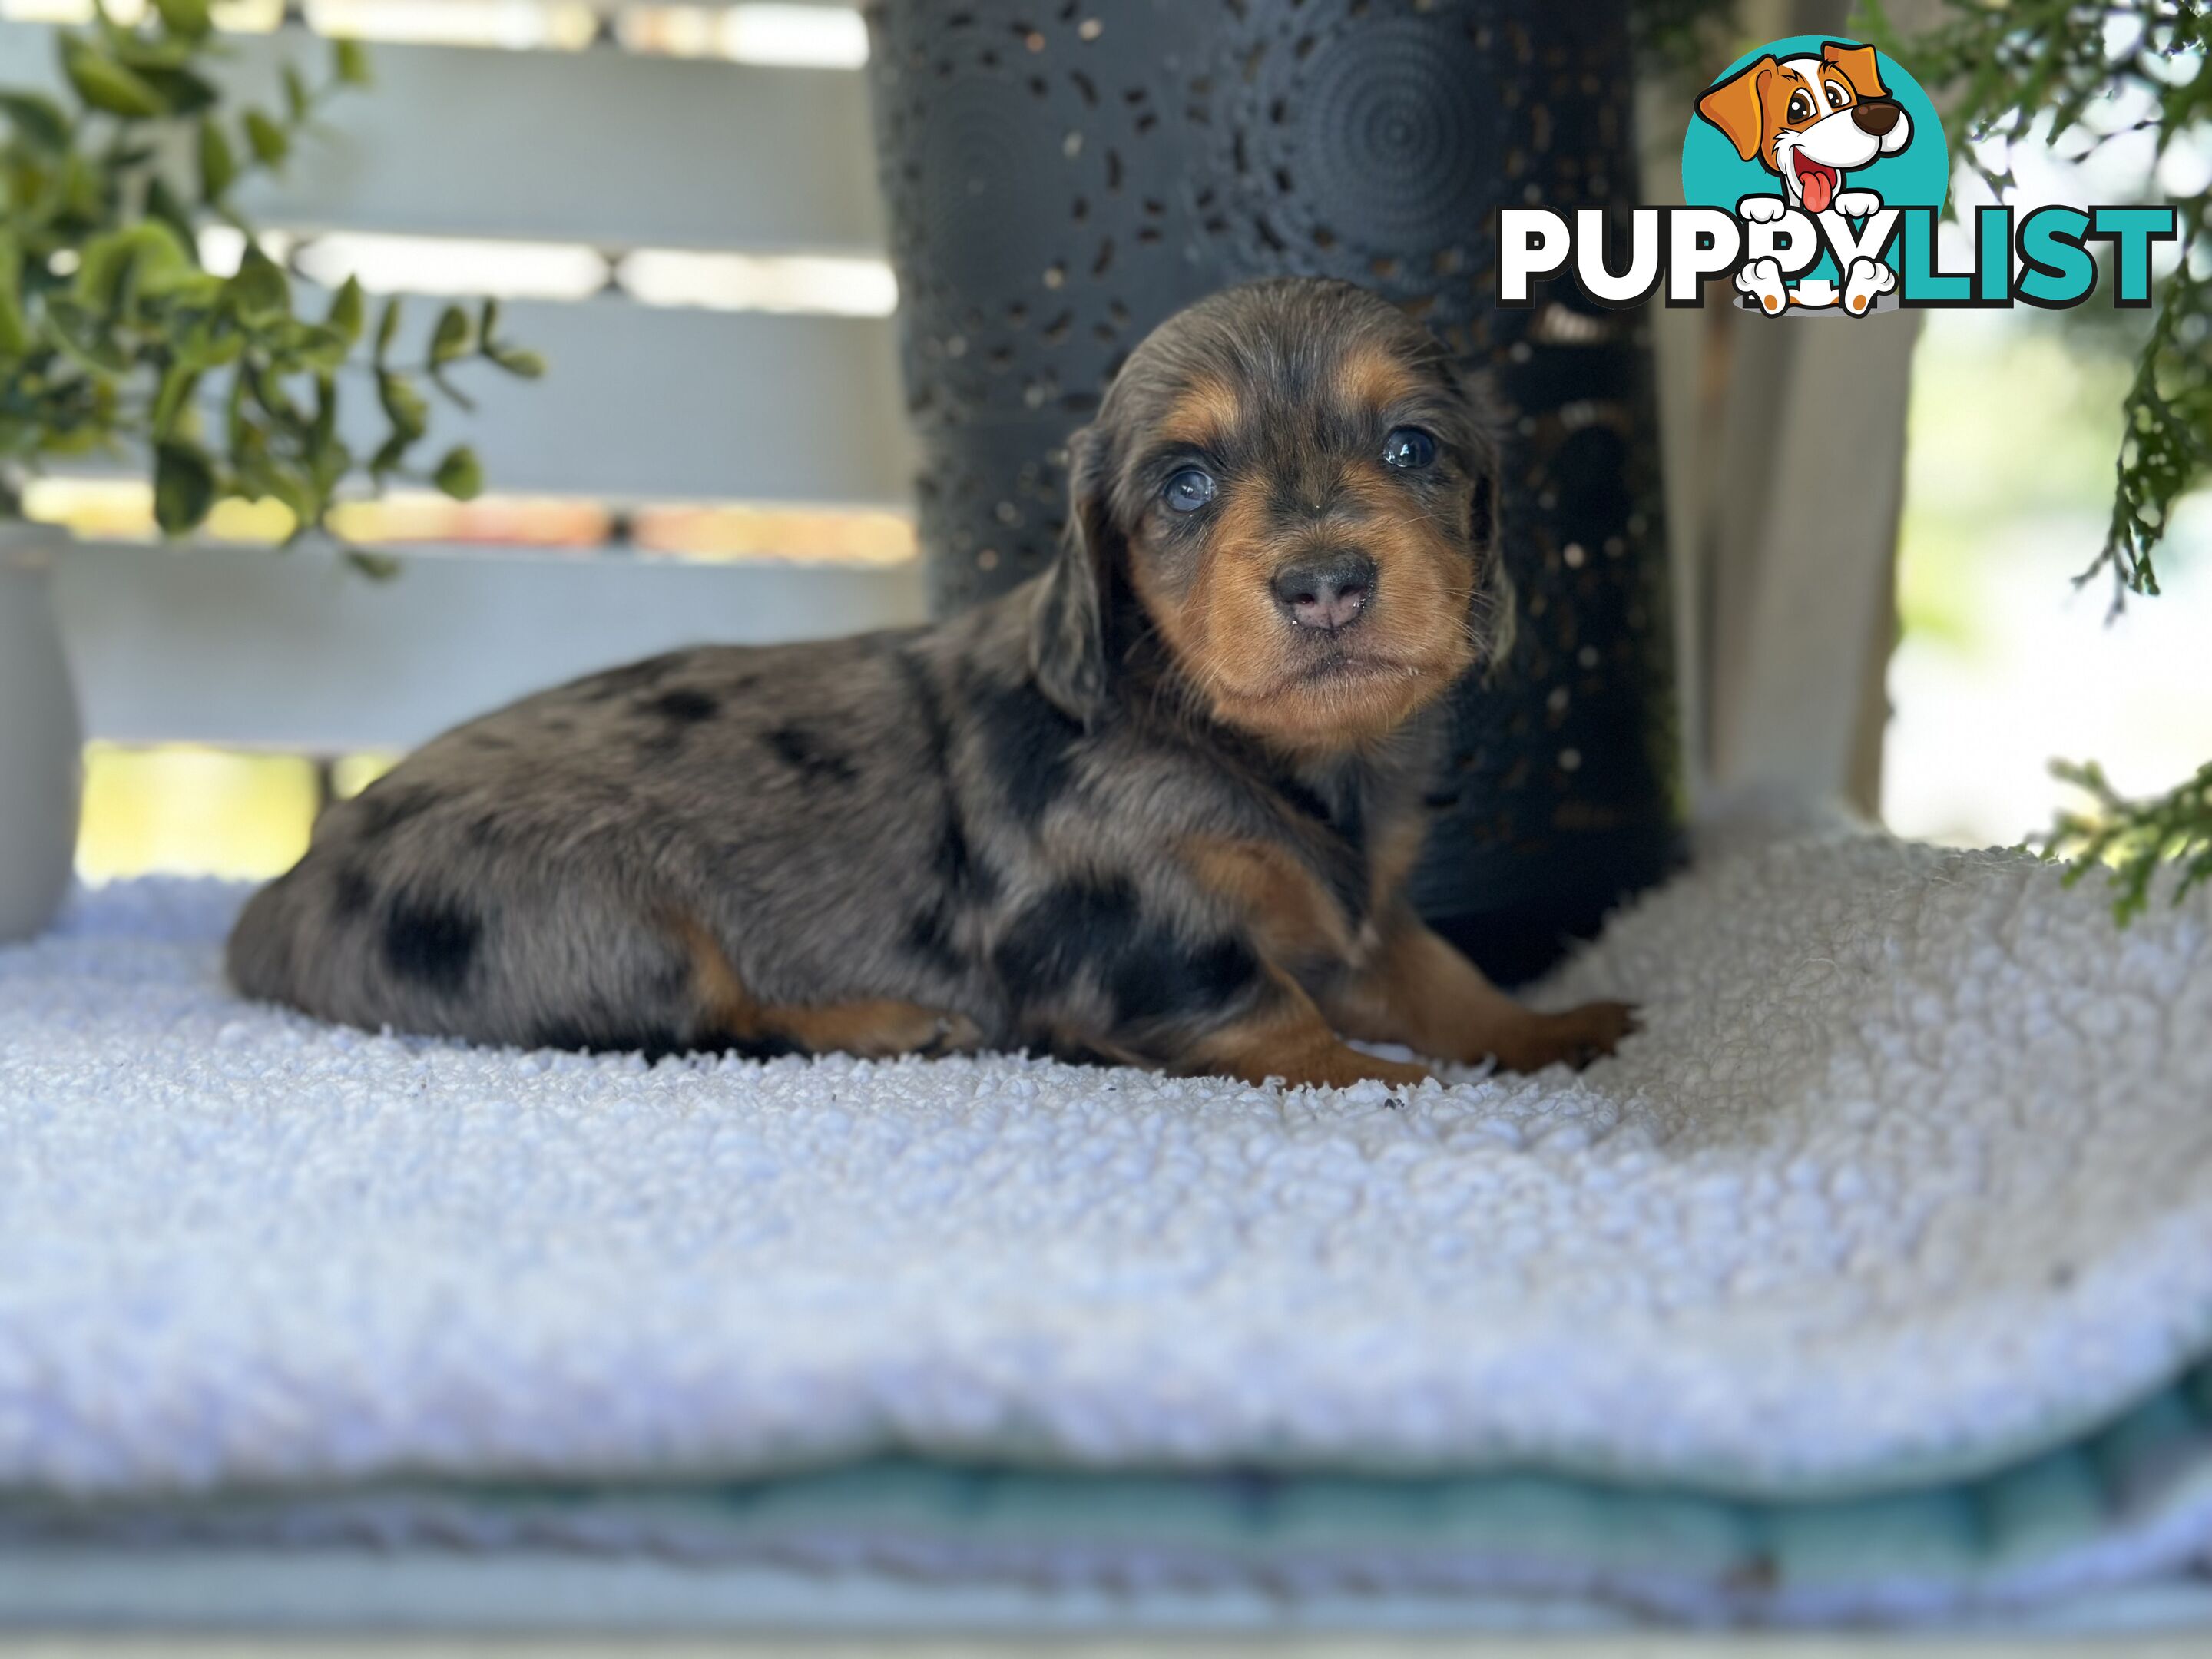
(1818,182)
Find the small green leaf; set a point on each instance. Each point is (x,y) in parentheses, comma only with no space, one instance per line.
(488,325)
(106,85)
(460,475)
(297,102)
(218,163)
(39,121)
(350,63)
(148,255)
(211,342)
(177,388)
(390,456)
(260,292)
(320,346)
(523,365)
(181,92)
(450,341)
(184,487)
(84,335)
(348,311)
(404,406)
(387,330)
(189,18)
(377,567)
(161,204)
(14,328)
(270,144)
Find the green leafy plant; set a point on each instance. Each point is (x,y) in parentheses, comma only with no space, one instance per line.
(114,337)
(2053,71)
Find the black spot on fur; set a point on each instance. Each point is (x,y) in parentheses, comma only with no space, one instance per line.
(1159,975)
(684,706)
(809,755)
(955,866)
(431,944)
(380,809)
(490,745)
(1026,744)
(351,892)
(1050,943)
(1305,798)
(1149,972)
(929,936)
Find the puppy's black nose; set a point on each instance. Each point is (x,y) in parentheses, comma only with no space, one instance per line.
(1875,115)
(1327,593)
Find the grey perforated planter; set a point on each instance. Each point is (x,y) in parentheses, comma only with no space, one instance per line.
(1063,174)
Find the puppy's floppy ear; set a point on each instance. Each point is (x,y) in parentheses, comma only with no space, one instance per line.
(1734,107)
(1068,630)
(1495,604)
(1860,66)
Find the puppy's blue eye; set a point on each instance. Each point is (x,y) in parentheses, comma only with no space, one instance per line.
(1189,490)
(1408,449)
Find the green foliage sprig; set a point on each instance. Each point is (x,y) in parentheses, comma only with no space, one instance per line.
(113,336)
(2046,71)
(2136,838)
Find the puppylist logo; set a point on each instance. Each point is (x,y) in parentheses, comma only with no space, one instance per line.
(1815,172)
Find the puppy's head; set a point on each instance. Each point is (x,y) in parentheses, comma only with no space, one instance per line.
(1810,119)
(1290,486)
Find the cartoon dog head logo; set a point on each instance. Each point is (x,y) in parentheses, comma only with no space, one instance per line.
(1810,120)
(1807,140)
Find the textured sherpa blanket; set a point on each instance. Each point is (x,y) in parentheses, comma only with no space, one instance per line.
(1902,1196)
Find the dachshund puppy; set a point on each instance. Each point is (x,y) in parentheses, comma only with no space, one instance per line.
(1156,806)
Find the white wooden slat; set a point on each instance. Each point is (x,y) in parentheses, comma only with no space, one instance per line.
(247,647)
(647,404)
(603,147)
(641,403)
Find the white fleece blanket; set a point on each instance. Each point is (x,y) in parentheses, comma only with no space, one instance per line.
(1908,1173)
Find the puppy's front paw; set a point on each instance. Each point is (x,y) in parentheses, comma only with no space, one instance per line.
(1761,209)
(1762,280)
(1867,278)
(1575,1037)
(1858,204)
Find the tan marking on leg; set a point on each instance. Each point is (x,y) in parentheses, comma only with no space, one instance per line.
(1397,847)
(1287,1037)
(1290,915)
(872,1028)
(1420,992)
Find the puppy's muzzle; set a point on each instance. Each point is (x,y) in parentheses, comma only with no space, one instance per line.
(1327,594)
(1875,115)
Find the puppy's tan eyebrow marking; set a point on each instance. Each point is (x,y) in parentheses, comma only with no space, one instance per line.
(1375,377)
(1202,415)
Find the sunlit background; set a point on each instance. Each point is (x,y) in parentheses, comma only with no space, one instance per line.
(2003,664)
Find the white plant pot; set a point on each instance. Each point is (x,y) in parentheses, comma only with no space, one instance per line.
(41,740)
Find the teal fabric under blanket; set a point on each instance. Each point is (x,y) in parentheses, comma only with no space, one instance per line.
(2125,1506)
(1872,1280)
